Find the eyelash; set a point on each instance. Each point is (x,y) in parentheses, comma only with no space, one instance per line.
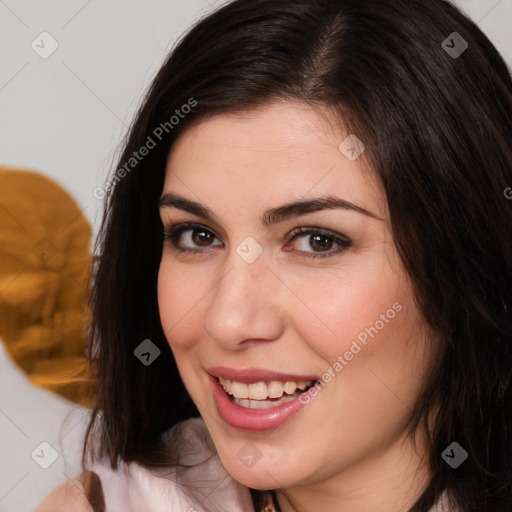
(172,233)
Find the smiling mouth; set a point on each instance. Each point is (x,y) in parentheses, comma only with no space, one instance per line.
(264,394)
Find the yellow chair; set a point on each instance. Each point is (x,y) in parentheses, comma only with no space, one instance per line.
(44,272)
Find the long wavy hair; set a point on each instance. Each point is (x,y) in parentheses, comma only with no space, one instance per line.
(436,126)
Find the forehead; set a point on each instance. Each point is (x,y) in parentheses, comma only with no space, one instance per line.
(279,152)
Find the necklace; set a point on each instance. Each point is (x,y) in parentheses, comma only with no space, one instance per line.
(269,505)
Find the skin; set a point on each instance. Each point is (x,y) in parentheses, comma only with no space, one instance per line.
(347,449)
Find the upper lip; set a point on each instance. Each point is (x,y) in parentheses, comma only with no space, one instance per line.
(251,375)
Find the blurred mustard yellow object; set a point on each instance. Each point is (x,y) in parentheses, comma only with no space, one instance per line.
(44,269)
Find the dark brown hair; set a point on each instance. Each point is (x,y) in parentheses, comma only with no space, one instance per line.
(437,130)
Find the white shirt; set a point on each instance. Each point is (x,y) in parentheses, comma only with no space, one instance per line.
(204,487)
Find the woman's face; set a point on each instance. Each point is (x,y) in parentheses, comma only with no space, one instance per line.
(248,297)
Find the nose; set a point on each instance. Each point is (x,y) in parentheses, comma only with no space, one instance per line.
(244,305)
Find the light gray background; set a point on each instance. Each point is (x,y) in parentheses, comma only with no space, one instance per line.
(65,116)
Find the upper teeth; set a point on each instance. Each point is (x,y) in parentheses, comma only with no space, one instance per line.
(262,390)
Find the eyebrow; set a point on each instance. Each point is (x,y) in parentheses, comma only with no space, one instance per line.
(271,216)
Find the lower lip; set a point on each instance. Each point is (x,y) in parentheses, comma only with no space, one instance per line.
(256,420)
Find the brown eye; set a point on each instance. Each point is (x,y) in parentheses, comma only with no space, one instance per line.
(201,237)
(313,242)
(320,242)
(189,237)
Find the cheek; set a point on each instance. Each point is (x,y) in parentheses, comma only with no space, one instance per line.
(343,310)
(373,345)
(179,303)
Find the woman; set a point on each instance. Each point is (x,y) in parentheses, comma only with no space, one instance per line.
(303,299)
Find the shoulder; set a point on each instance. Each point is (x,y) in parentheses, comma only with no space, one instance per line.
(73,495)
(181,485)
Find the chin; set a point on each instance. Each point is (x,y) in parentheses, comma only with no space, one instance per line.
(261,481)
(262,475)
